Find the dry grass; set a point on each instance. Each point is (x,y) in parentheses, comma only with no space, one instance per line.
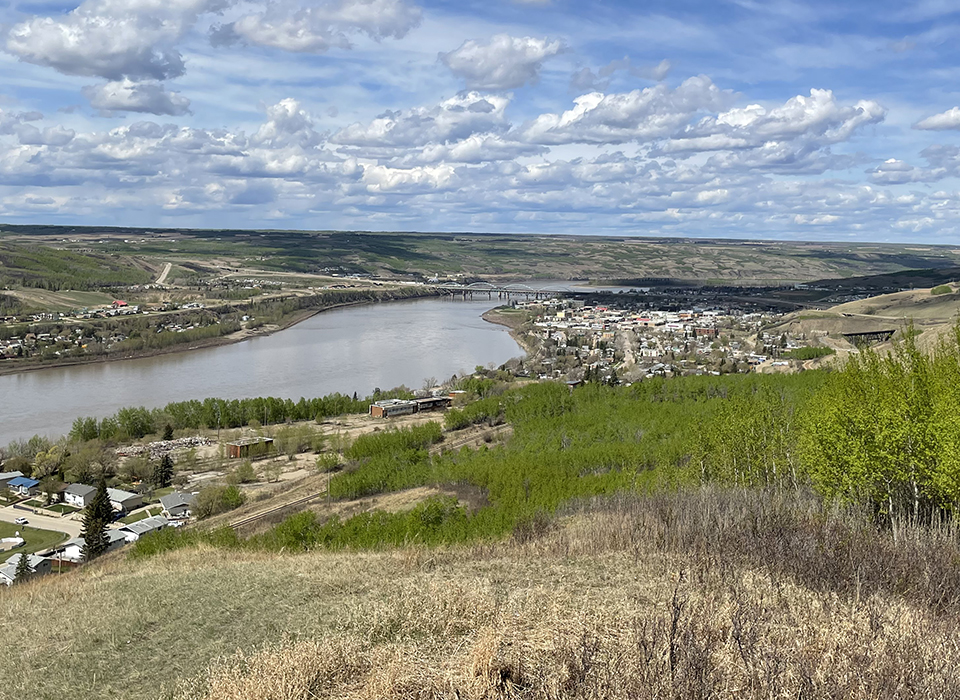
(635,598)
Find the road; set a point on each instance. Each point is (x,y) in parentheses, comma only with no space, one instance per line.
(163,275)
(45,522)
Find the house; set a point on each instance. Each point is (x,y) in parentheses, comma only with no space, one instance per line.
(249,447)
(124,500)
(39,565)
(24,486)
(177,504)
(135,531)
(72,550)
(79,495)
(5,478)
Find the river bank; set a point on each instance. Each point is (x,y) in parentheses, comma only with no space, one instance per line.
(513,320)
(8,367)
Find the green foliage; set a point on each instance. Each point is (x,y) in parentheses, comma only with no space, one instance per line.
(136,422)
(243,474)
(50,268)
(23,570)
(887,429)
(807,353)
(163,472)
(218,499)
(942,289)
(96,516)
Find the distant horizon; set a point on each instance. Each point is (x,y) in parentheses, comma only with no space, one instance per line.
(786,120)
(669,237)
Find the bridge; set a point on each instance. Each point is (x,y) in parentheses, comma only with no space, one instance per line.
(868,337)
(505,291)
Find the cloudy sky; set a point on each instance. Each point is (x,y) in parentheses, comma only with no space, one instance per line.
(774,119)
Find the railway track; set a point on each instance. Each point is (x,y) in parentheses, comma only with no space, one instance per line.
(259,516)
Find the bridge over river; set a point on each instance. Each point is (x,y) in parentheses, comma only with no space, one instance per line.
(506,291)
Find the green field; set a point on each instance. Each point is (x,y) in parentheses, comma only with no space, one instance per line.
(36,540)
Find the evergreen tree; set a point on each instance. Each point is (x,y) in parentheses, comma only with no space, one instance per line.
(96,518)
(163,472)
(23,571)
(168,432)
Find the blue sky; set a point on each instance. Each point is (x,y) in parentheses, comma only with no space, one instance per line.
(788,120)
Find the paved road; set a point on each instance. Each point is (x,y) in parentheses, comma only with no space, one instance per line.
(44,522)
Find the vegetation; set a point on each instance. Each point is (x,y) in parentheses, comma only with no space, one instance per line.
(96,517)
(807,353)
(50,268)
(215,499)
(942,289)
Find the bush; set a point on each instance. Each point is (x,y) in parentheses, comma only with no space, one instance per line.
(942,289)
(809,353)
(213,500)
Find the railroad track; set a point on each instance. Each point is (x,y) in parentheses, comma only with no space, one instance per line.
(259,516)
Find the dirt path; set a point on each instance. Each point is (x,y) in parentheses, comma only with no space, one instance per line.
(163,275)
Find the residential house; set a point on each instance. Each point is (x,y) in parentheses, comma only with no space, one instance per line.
(24,486)
(5,478)
(38,565)
(135,531)
(72,550)
(79,495)
(177,504)
(124,500)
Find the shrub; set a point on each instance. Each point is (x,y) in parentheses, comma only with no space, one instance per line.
(942,289)
(218,499)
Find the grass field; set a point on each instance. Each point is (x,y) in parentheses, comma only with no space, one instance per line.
(146,513)
(708,594)
(36,540)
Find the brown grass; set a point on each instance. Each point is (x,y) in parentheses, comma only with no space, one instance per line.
(712,594)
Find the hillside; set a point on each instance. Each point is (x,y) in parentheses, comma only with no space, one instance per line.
(715,594)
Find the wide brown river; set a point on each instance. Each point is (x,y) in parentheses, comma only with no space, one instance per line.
(346,350)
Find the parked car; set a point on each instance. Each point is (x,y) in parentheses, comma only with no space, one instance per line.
(22,521)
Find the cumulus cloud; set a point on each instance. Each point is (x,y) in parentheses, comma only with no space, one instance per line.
(818,115)
(128,96)
(503,63)
(941,122)
(112,39)
(317,29)
(641,115)
(452,120)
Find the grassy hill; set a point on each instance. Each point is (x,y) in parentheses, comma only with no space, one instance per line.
(714,593)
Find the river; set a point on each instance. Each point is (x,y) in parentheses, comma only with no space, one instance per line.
(344,350)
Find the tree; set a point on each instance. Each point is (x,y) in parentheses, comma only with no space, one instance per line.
(96,517)
(23,571)
(168,432)
(163,472)
(50,485)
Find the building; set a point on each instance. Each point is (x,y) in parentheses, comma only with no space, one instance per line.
(72,550)
(24,486)
(177,504)
(38,565)
(134,531)
(79,495)
(5,478)
(433,403)
(392,407)
(249,447)
(124,500)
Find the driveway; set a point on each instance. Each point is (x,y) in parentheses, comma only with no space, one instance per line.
(45,522)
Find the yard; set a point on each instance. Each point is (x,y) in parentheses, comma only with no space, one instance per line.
(62,508)
(36,540)
(140,515)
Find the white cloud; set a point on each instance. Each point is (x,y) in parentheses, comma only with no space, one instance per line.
(454,119)
(940,122)
(586,79)
(641,115)
(112,39)
(291,27)
(129,96)
(503,63)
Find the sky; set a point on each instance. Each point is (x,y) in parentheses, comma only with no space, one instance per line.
(728,118)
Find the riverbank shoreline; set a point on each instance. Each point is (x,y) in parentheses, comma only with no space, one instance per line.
(513,323)
(207,343)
